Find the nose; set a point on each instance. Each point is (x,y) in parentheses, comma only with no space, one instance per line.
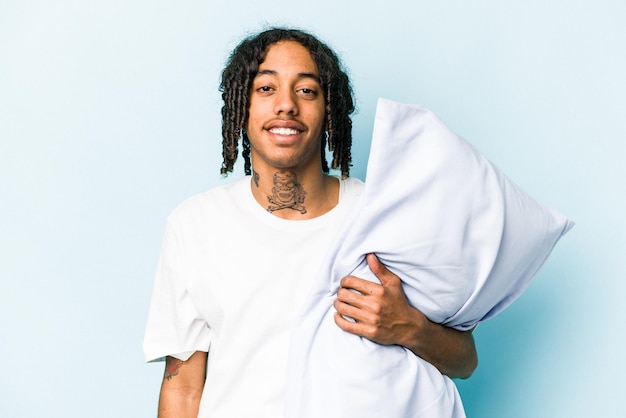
(286,102)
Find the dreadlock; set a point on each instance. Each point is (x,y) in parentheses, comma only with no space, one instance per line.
(236,83)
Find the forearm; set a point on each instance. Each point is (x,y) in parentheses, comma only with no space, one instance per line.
(178,402)
(452,352)
(183,383)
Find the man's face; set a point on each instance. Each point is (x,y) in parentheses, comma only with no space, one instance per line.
(287,109)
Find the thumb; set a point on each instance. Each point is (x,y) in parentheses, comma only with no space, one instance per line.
(386,277)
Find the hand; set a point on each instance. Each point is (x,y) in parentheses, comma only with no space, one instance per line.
(381,311)
(383,314)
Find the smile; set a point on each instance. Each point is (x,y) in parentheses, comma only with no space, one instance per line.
(284,131)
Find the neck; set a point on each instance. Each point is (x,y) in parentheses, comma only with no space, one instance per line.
(293,194)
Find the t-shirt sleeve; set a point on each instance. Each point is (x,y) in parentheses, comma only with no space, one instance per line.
(175,327)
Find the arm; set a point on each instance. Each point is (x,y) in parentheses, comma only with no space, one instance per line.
(383,315)
(182,386)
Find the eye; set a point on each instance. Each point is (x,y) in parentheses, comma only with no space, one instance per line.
(307,92)
(264,89)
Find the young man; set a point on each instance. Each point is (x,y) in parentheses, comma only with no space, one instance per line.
(237,261)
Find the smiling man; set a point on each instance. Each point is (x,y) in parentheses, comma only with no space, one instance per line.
(286,117)
(238,261)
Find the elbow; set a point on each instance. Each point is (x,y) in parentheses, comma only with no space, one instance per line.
(471,357)
(470,369)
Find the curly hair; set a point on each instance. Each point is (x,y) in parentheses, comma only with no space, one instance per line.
(236,83)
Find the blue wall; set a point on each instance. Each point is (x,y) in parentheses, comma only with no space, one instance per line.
(109,116)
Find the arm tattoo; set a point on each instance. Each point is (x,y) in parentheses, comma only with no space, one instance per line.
(287,193)
(172,365)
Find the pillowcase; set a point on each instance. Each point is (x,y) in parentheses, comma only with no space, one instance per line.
(463,238)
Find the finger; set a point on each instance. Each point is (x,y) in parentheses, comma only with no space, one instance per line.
(372,303)
(386,277)
(347,324)
(344,323)
(354,313)
(375,265)
(360,285)
(357,328)
(351,298)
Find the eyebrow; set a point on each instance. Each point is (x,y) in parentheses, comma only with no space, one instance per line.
(300,75)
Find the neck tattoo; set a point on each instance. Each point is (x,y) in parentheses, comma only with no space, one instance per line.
(255,177)
(287,193)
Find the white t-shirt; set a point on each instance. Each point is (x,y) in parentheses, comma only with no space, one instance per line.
(231,280)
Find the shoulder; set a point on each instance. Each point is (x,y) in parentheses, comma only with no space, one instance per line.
(351,190)
(351,186)
(216,201)
(353,182)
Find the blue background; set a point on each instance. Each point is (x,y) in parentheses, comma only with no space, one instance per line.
(109,117)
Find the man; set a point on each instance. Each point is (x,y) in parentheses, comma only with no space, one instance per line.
(238,261)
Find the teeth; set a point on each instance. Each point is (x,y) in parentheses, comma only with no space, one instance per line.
(284,131)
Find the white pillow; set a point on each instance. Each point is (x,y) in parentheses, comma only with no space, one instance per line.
(463,238)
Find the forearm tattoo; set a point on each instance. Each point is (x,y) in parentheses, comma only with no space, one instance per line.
(287,193)
(172,365)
